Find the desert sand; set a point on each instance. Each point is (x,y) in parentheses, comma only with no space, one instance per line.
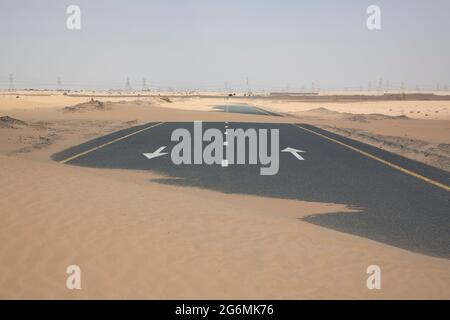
(136,238)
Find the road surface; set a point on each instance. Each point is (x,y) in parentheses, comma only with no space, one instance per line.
(402,202)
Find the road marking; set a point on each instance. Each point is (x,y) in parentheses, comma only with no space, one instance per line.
(295,153)
(390,164)
(155,154)
(387,163)
(224,163)
(108,143)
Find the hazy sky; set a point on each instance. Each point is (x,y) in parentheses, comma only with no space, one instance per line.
(202,44)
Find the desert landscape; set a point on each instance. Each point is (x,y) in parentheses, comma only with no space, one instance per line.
(134,237)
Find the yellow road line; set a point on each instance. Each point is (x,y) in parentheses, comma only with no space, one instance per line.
(108,143)
(390,164)
(416,175)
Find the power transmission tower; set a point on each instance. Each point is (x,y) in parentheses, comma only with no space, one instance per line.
(127,85)
(380,84)
(11,82)
(248,88)
(144,85)
(58,83)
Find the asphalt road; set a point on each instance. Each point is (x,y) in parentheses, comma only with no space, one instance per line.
(396,208)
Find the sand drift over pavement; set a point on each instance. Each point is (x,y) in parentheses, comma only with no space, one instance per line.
(330,173)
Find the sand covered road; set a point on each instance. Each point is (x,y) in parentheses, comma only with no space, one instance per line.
(136,238)
(39,132)
(419,130)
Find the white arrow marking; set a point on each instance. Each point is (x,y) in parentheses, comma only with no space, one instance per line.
(295,152)
(155,154)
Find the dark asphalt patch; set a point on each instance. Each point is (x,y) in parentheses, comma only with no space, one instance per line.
(236,108)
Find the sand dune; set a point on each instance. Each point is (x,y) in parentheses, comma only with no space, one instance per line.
(430,110)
